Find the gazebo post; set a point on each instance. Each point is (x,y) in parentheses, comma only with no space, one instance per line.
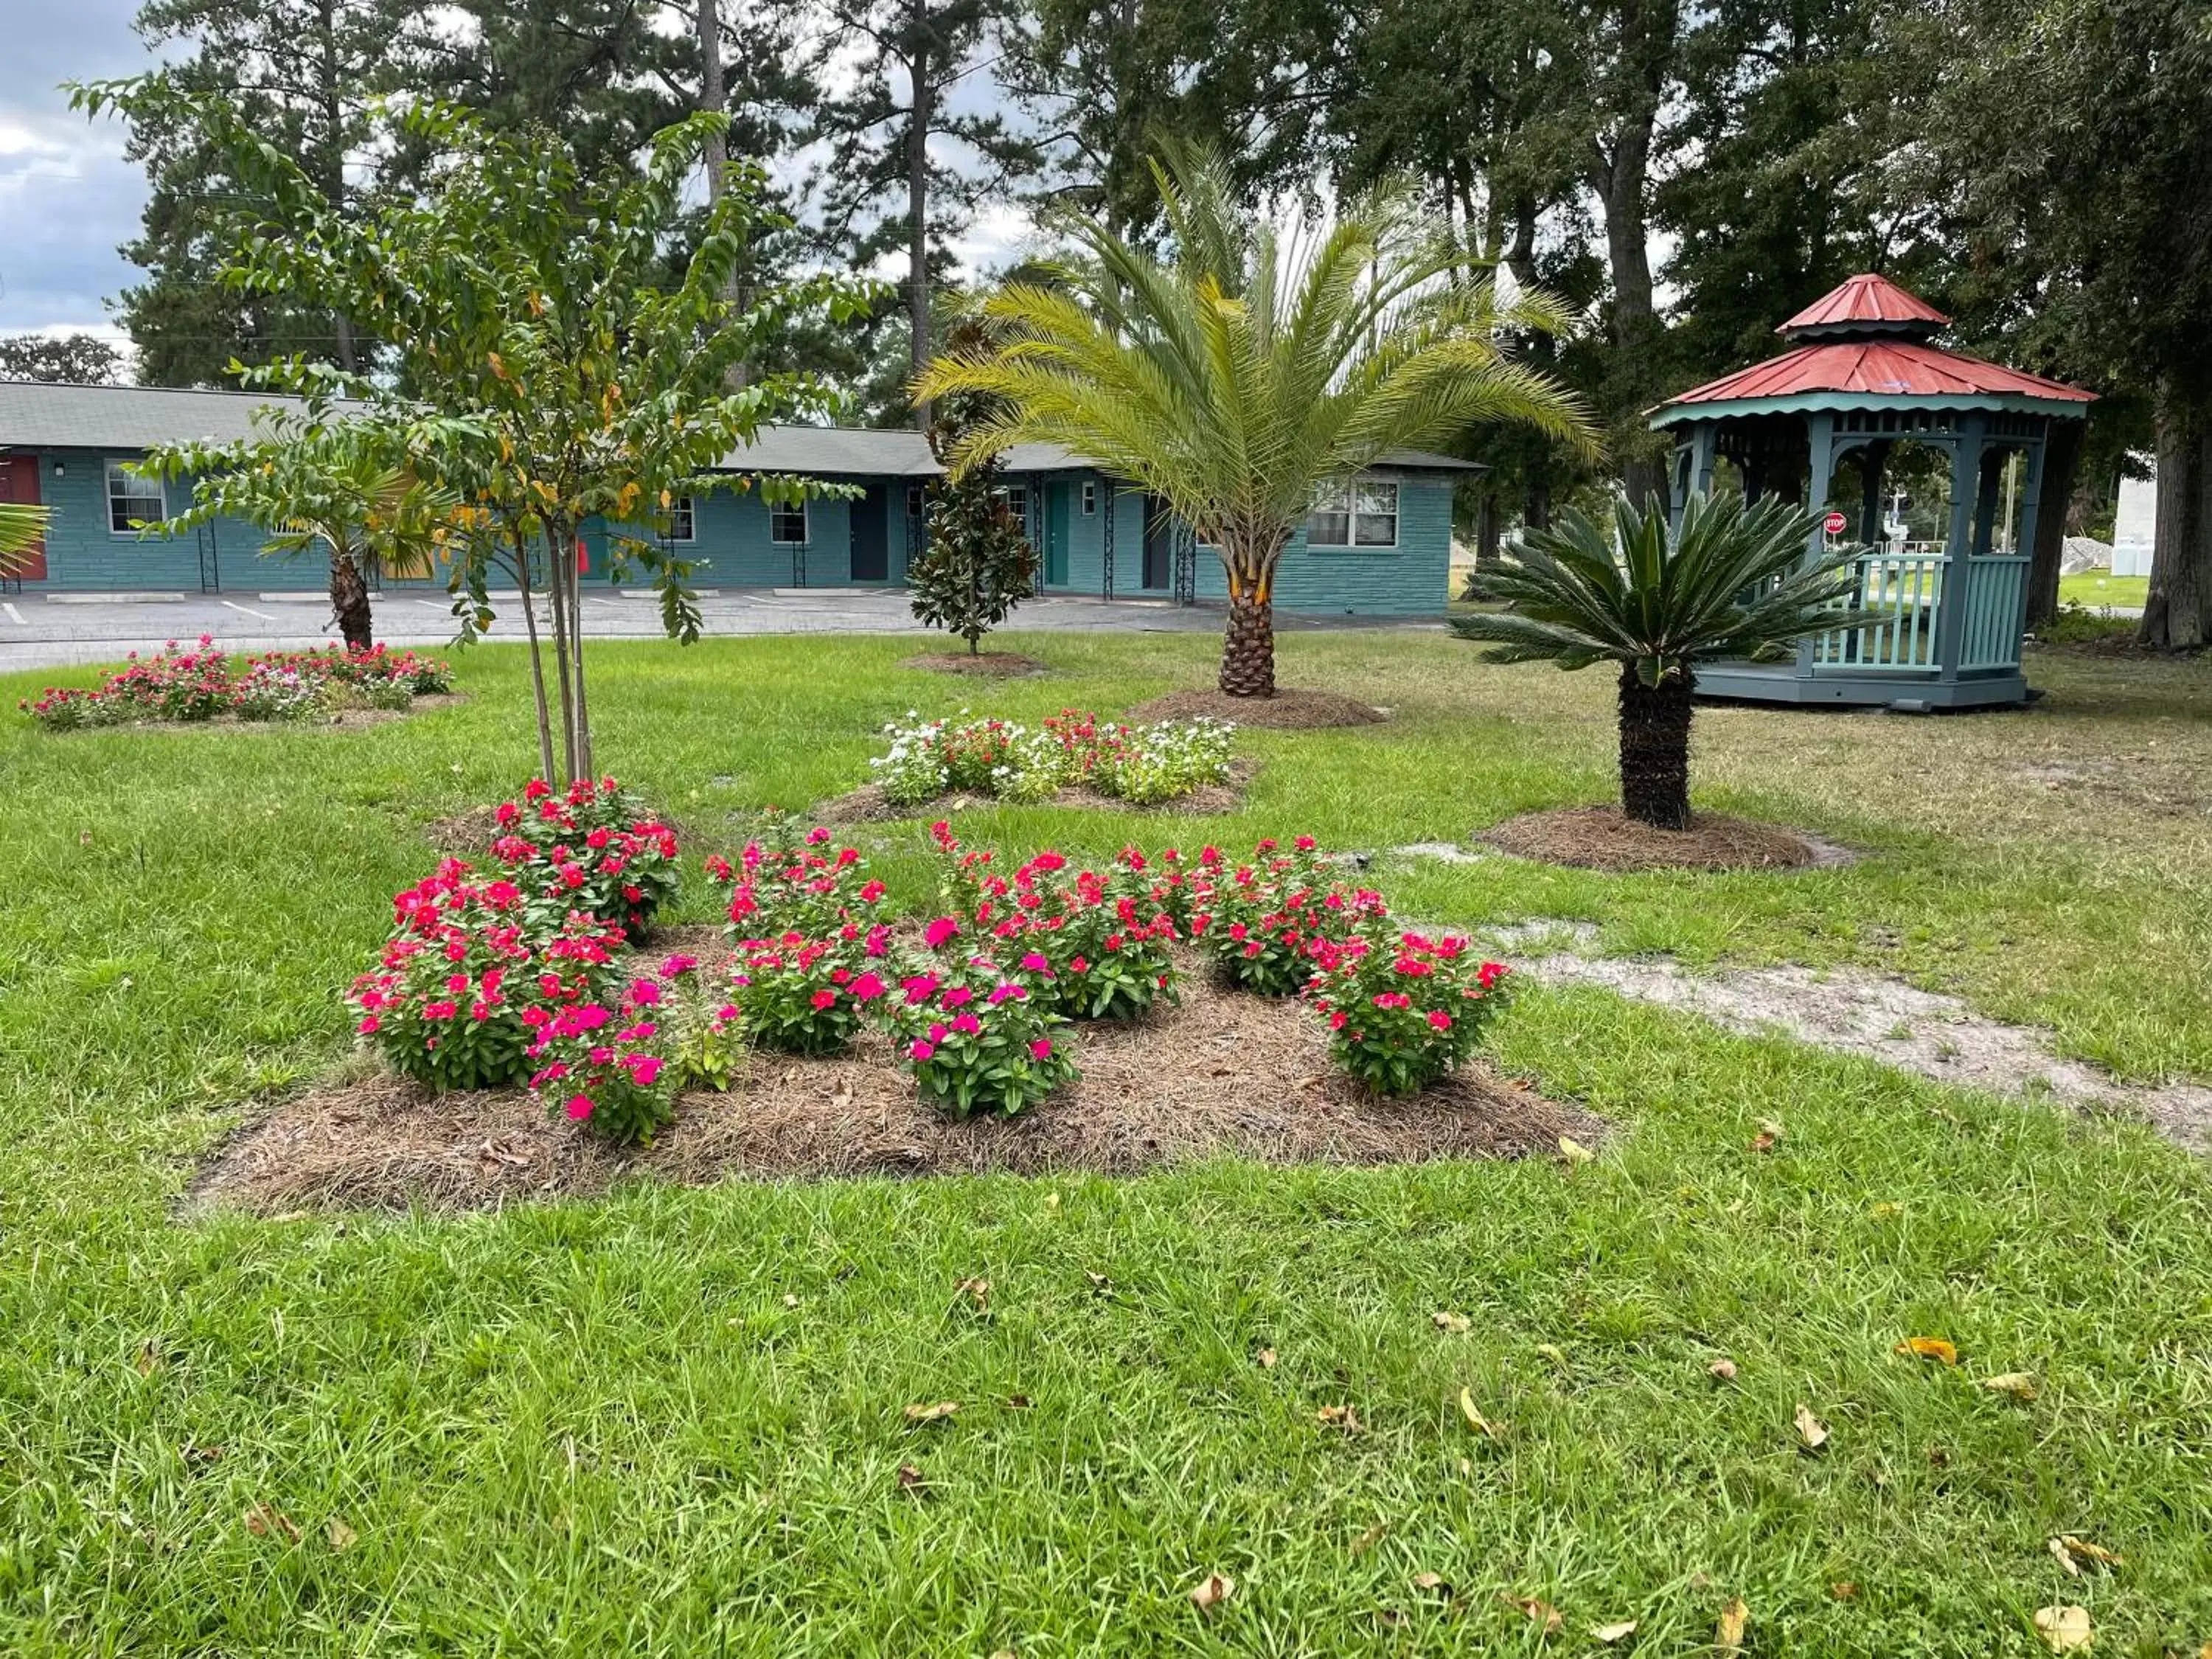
(2031,506)
(1965,478)
(1990,479)
(1874,459)
(1819,465)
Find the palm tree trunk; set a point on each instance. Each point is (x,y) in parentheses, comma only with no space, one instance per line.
(1654,748)
(1248,644)
(350,602)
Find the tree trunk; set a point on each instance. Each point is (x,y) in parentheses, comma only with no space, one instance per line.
(1655,749)
(714,95)
(537,657)
(1248,643)
(334,184)
(1621,176)
(1486,531)
(2062,457)
(557,590)
(2177,615)
(917,202)
(350,602)
(585,766)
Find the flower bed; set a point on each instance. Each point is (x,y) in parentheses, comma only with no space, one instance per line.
(592,848)
(203,683)
(1144,766)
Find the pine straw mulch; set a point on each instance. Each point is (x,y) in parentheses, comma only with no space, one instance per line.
(333,719)
(1288,710)
(989,664)
(866,804)
(1222,1075)
(1605,838)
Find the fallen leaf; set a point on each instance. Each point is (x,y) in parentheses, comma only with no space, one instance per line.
(1722,1371)
(2020,1385)
(1099,1282)
(342,1536)
(2072,1552)
(1475,1420)
(1018,1403)
(1843,1589)
(1367,1540)
(266,1521)
(790,1301)
(911,1478)
(1883,1211)
(1429,1582)
(1575,1152)
(936,1413)
(1610,1634)
(1265,1360)
(1552,1351)
(1052,1203)
(843,1097)
(1340,1417)
(1541,1613)
(1810,1429)
(2063,1629)
(1728,1635)
(977,1290)
(1212,1591)
(1455,1323)
(149,1357)
(198,1456)
(1929,1347)
(1769,1136)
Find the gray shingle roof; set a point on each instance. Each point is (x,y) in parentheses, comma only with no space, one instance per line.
(34,414)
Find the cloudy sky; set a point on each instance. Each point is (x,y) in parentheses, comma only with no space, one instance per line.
(67,197)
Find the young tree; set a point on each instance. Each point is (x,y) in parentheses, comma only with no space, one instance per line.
(544,376)
(1655,597)
(311,484)
(1253,368)
(63,360)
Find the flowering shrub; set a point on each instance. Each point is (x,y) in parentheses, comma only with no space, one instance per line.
(698,1025)
(1142,765)
(976,1040)
(598,1065)
(1403,1011)
(801,996)
(462,985)
(781,886)
(203,682)
(1089,947)
(592,849)
(1263,921)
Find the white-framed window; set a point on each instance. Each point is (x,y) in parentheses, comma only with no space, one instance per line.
(1017,498)
(683,522)
(914,500)
(1090,497)
(786,526)
(131,498)
(1364,513)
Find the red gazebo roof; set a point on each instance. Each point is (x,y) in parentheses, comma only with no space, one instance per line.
(1866,298)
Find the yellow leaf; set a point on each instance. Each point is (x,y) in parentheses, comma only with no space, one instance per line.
(1339,1417)
(1929,1347)
(266,1520)
(342,1536)
(1728,1635)
(936,1413)
(978,1290)
(1574,1151)
(1455,1323)
(1810,1429)
(498,367)
(1883,1211)
(1722,1371)
(2020,1385)
(2071,1552)
(1265,1360)
(1430,1582)
(1475,1420)
(2063,1629)
(1611,1634)
(1554,1352)
(1541,1611)
(1212,1591)
(1367,1540)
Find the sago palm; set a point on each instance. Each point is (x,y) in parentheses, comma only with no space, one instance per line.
(1251,367)
(1656,597)
(22,526)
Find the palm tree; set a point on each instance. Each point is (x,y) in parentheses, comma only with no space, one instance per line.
(20,527)
(1250,369)
(1655,596)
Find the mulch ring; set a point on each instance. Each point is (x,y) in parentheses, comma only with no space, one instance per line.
(1224,1074)
(1605,838)
(990,665)
(1288,710)
(866,804)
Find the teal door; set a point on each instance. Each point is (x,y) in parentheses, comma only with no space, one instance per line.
(1056,534)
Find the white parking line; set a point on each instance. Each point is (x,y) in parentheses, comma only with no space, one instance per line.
(249,610)
(432,604)
(15,616)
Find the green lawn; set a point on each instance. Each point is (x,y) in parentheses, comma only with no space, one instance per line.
(2099,588)
(603,1427)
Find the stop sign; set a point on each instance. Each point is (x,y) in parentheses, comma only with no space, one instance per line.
(1834,523)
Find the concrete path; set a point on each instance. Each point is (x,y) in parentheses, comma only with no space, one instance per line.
(45,631)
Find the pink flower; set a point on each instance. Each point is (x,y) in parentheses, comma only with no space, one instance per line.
(867,988)
(1440,1020)
(958,996)
(645,993)
(922,1050)
(644,1069)
(440,1010)
(678,965)
(967,1025)
(579,1107)
(817,836)
(369,1023)
(871,892)
(1041,1050)
(1036,963)
(939,930)
(826,997)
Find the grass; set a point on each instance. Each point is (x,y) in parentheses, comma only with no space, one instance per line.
(2099,588)
(671,1422)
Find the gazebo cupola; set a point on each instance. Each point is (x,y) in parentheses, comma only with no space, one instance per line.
(1931,623)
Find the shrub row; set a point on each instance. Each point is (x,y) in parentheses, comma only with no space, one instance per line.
(1143,765)
(204,681)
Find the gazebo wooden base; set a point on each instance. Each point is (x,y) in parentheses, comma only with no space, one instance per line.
(1904,693)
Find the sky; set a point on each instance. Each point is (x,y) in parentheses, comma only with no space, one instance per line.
(67,197)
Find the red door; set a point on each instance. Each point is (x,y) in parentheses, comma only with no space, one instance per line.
(19,481)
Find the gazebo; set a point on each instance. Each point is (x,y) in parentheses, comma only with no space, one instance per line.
(1930,624)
